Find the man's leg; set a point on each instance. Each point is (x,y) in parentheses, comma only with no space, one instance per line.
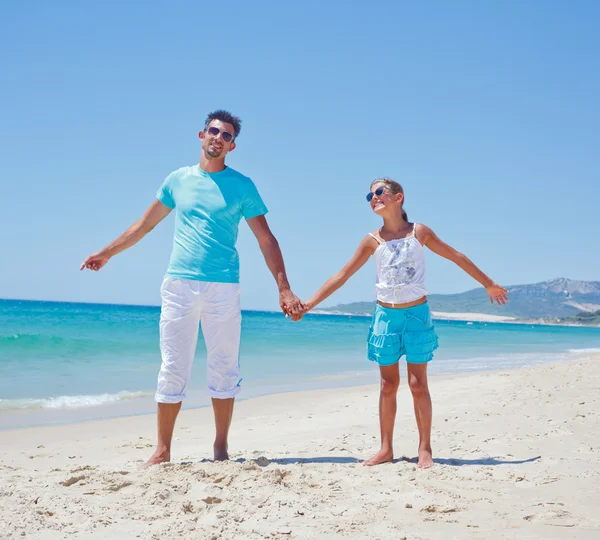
(221,327)
(223,409)
(417,380)
(179,320)
(390,381)
(167,414)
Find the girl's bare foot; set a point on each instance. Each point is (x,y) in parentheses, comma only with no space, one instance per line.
(425,460)
(383,456)
(160,456)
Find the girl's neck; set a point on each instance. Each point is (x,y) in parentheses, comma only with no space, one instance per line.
(394,224)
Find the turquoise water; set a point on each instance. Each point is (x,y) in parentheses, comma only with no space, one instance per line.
(65,361)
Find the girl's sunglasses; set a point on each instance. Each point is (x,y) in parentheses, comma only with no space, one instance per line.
(227,137)
(378,192)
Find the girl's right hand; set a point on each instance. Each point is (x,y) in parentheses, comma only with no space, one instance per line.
(497,293)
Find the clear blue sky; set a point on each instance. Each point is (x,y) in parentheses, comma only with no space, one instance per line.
(486,112)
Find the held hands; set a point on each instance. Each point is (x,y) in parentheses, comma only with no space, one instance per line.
(307,308)
(497,293)
(290,304)
(95,261)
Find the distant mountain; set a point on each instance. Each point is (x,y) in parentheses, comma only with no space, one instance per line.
(584,317)
(549,299)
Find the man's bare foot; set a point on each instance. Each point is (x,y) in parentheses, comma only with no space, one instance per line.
(425,460)
(220,453)
(159,456)
(383,456)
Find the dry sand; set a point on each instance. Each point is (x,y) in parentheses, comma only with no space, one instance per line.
(517,457)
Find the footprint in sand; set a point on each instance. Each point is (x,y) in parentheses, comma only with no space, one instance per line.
(73,480)
(557,518)
(262,461)
(276,476)
(159,497)
(83,468)
(117,487)
(432,508)
(225,480)
(212,500)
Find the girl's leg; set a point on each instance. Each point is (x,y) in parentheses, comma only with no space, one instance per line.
(390,380)
(417,381)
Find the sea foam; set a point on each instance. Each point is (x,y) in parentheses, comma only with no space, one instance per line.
(70,402)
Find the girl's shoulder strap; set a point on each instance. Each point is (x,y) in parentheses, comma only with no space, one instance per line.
(376,239)
(414,233)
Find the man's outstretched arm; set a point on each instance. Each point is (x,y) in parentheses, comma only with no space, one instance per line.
(153,215)
(289,302)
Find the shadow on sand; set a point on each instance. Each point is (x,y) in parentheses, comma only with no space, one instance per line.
(462,462)
(263,462)
(328,459)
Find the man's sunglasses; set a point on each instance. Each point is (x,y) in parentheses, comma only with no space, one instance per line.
(227,137)
(378,192)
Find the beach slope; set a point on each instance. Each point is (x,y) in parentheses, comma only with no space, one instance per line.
(517,456)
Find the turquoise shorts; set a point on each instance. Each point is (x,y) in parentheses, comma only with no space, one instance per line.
(398,331)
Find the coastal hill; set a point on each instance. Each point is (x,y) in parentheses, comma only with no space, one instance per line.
(557,298)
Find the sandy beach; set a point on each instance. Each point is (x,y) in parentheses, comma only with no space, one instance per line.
(517,456)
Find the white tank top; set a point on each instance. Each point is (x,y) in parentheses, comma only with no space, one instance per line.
(400,267)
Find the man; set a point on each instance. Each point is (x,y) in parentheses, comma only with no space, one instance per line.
(202,280)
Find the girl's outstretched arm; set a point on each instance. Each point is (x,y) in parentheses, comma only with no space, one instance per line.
(431,240)
(365,249)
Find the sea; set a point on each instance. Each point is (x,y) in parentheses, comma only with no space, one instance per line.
(70,362)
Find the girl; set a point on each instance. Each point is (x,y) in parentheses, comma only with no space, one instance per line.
(401,323)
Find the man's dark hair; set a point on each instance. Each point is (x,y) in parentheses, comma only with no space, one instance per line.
(225,116)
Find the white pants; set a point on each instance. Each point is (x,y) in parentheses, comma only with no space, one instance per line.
(185,303)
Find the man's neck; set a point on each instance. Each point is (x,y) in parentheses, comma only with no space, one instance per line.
(211,165)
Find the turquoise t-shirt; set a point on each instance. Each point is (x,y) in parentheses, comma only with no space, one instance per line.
(209,207)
